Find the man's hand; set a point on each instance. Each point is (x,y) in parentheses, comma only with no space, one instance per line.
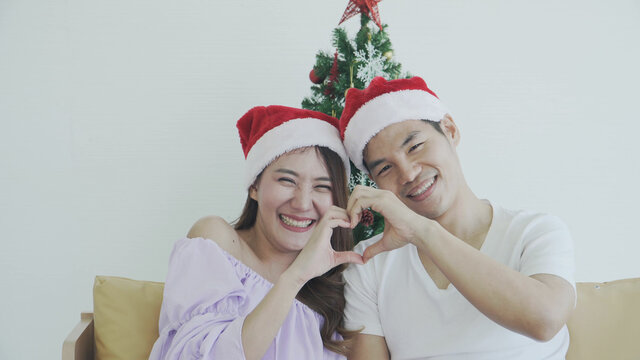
(401,224)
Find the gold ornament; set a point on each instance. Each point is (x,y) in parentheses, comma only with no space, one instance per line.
(388,54)
(350,79)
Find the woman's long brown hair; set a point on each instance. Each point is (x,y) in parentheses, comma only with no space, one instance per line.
(324,294)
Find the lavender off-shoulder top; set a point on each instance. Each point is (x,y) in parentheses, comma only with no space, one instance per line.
(207,295)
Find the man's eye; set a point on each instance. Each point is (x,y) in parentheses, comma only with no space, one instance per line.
(415,146)
(385,168)
(287,180)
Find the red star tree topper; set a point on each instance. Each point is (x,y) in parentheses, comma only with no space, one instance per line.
(367,7)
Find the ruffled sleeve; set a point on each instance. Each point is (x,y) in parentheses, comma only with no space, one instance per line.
(203,297)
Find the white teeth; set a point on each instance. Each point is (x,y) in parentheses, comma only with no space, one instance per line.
(423,188)
(289,221)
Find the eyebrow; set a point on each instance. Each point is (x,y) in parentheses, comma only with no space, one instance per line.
(407,140)
(376,163)
(291,172)
(409,137)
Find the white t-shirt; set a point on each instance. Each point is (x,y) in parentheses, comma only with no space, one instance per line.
(393,295)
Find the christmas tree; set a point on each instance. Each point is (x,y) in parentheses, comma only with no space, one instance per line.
(353,64)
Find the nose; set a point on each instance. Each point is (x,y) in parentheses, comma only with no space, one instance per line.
(408,171)
(302,199)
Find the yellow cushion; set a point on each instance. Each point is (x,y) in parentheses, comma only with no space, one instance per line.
(606,321)
(604,325)
(125,317)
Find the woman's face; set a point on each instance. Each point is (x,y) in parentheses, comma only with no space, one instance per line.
(293,193)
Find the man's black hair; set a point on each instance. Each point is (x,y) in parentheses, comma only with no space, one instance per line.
(435,124)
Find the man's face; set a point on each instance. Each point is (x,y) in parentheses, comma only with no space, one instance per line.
(418,164)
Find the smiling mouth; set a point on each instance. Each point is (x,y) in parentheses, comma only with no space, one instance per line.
(296,223)
(424,188)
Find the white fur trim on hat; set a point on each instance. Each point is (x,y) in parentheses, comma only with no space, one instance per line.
(384,110)
(291,135)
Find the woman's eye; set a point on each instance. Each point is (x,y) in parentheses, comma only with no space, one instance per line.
(323,187)
(385,168)
(415,146)
(286,180)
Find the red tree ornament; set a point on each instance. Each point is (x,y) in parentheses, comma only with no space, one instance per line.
(368,7)
(315,78)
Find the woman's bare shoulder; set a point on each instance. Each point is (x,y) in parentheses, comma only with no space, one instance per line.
(216,229)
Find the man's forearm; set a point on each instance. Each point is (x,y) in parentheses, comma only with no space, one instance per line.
(536,306)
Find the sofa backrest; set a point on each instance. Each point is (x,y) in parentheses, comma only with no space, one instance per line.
(604,325)
(606,321)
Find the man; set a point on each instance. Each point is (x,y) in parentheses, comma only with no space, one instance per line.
(452,276)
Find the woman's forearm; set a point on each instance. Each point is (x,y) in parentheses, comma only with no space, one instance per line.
(263,323)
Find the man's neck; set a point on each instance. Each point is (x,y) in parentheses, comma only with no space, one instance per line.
(468,218)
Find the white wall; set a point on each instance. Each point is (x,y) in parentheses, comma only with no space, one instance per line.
(117,126)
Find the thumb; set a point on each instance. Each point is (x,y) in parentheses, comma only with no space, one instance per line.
(374,249)
(348,257)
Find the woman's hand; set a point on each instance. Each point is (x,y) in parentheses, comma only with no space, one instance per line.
(401,224)
(318,256)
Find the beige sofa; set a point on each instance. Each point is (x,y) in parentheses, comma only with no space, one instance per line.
(124,324)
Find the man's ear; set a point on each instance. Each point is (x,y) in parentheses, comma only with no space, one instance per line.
(450,129)
(366,166)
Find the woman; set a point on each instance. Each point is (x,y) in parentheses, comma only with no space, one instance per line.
(271,286)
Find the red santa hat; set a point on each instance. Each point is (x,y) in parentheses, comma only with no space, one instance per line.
(267,132)
(382,103)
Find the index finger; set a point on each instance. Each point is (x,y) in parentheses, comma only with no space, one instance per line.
(355,194)
(335,212)
(358,206)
